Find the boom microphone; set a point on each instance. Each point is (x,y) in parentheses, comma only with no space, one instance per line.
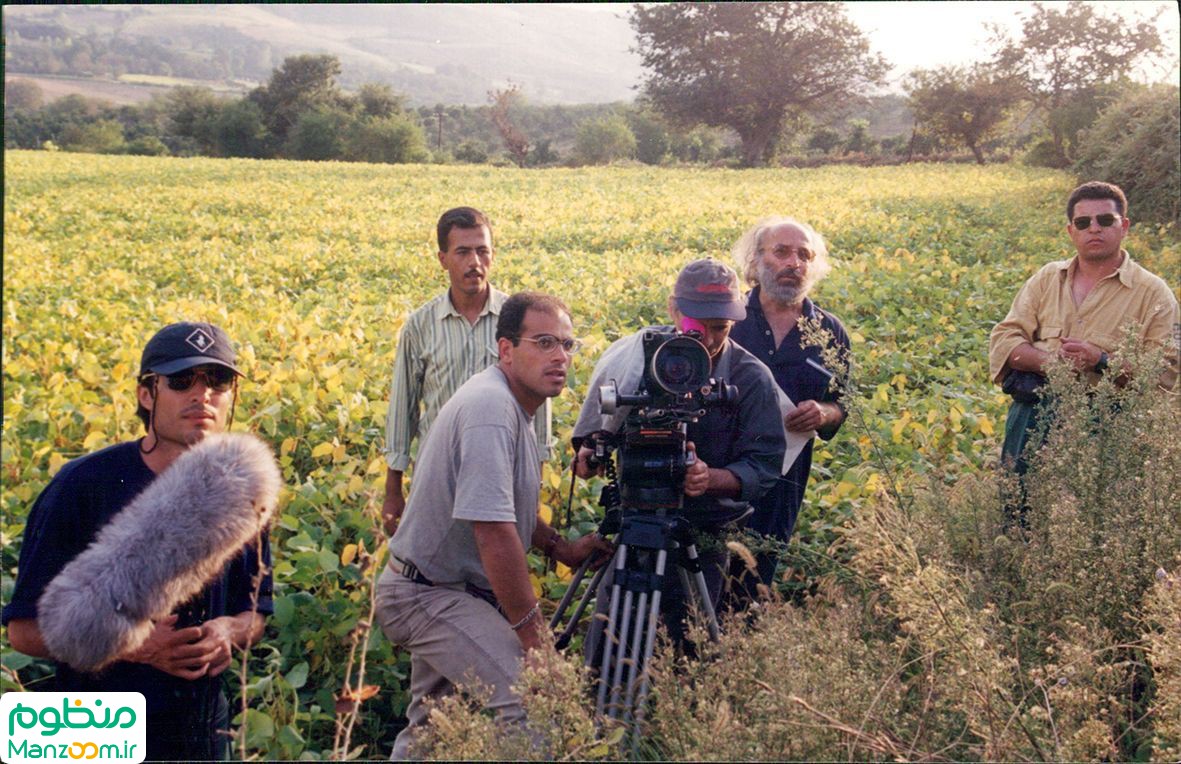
(160,550)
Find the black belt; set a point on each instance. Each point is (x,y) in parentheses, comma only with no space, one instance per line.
(409,570)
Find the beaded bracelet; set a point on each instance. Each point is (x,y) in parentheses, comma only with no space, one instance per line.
(533,611)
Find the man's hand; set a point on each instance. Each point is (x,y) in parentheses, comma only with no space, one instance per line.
(582,466)
(394,503)
(535,635)
(218,636)
(1081,354)
(697,474)
(806,417)
(178,652)
(573,553)
(391,512)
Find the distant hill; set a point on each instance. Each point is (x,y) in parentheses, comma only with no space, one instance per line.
(432,53)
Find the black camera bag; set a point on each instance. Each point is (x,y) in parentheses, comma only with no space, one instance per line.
(1023,386)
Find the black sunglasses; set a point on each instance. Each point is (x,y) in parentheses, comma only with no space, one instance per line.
(219,379)
(1105,220)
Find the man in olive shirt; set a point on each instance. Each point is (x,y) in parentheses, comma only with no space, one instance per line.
(1077,310)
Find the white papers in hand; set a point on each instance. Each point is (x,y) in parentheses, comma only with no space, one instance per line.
(795,440)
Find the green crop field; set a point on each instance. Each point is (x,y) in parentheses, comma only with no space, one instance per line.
(312,268)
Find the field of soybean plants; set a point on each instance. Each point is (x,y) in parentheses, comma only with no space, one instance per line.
(312,268)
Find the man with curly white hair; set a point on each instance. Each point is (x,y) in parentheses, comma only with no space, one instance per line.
(783,260)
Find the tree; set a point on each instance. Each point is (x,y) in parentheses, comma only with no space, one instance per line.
(192,114)
(1136,144)
(605,140)
(1065,51)
(748,66)
(824,139)
(514,140)
(652,140)
(859,140)
(471,152)
(544,154)
(23,94)
(148,146)
(239,131)
(318,135)
(379,100)
(965,106)
(393,140)
(301,84)
(701,144)
(104,136)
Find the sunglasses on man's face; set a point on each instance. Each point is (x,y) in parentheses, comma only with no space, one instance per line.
(1106,220)
(219,379)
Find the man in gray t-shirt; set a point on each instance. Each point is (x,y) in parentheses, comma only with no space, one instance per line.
(457,592)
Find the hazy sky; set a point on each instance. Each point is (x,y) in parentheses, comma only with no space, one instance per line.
(927,34)
(914,34)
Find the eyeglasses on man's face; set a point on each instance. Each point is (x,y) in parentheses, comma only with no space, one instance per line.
(548,343)
(1105,220)
(219,379)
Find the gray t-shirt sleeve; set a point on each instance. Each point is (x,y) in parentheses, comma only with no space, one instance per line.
(623,363)
(484,485)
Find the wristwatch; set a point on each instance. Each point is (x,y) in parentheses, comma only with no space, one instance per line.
(1101,364)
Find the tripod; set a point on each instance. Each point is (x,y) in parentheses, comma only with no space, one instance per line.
(644,543)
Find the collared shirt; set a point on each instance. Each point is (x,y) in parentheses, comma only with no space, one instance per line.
(438,351)
(789,361)
(775,513)
(1044,313)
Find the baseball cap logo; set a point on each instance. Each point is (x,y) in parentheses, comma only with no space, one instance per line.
(200,339)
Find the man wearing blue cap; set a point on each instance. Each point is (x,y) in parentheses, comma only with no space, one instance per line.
(186,389)
(738,446)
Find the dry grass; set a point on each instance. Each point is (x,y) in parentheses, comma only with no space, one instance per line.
(955,634)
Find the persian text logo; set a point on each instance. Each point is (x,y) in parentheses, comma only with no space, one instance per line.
(100,726)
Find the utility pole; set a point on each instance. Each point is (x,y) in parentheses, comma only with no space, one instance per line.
(439,134)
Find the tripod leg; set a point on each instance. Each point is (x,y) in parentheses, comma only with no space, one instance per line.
(568,632)
(608,637)
(569,595)
(707,605)
(645,640)
(624,636)
(649,646)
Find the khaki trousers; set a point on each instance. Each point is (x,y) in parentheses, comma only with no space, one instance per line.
(452,637)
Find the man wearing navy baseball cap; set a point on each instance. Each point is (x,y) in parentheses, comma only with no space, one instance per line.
(186,389)
(176,356)
(739,445)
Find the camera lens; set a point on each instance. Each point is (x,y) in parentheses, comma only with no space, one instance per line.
(681,365)
(676,370)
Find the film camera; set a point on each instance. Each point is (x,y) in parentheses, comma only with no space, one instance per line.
(644,503)
(676,388)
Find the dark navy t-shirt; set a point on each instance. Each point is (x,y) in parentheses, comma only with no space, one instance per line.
(776,512)
(77,503)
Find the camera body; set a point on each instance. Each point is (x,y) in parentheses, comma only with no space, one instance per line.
(676,388)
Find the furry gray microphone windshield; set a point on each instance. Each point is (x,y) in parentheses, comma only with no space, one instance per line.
(160,550)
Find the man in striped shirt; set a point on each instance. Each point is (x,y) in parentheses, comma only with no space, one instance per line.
(443,343)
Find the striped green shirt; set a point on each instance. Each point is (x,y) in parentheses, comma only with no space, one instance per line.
(437,352)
